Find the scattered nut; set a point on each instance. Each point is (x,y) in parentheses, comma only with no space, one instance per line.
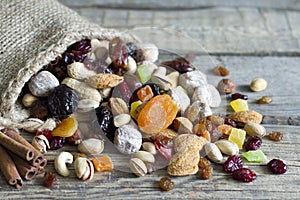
(41,143)
(265,100)
(191,80)
(181,99)
(49,124)
(118,106)
(215,97)
(254,129)
(221,70)
(201,94)
(173,77)
(100,81)
(144,156)
(182,125)
(227,147)
(91,146)
(60,162)
(86,105)
(213,152)
(32,124)
(243,117)
(149,147)
(84,168)
(28,100)
(131,66)
(258,84)
(77,70)
(138,167)
(226,86)
(147,52)
(121,119)
(198,110)
(40,84)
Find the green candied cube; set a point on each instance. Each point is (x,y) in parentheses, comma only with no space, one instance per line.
(255,156)
(144,73)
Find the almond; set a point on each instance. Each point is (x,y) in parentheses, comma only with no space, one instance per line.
(243,117)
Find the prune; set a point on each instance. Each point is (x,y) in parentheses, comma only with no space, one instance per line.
(253,143)
(132,50)
(182,66)
(166,184)
(40,110)
(62,101)
(232,163)
(239,96)
(106,122)
(244,174)
(57,142)
(277,166)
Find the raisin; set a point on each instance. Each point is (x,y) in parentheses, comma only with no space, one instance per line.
(239,96)
(105,120)
(40,110)
(232,163)
(49,179)
(253,143)
(182,66)
(244,174)
(276,136)
(57,142)
(166,184)
(132,50)
(221,70)
(265,100)
(62,101)
(229,122)
(207,173)
(203,163)
(277,166)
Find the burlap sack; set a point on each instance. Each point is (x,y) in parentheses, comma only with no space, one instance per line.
(34,32)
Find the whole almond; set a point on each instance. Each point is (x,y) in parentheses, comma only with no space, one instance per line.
(149,147)
(227,147)
(254,129)
(213,152)
(118,106)
(91,146)
(243,117)
(100,81)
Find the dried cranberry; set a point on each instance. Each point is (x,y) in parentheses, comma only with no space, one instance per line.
(277,166)
(229,122)
(232,163)
(62,101)
(57,142)
(244,174)
(253,143)
(239,96)
(105,120)
(46,132)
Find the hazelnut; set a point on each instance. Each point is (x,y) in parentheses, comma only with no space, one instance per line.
(226,86)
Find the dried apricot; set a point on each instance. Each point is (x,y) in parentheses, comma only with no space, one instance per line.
(66,128)
(157,114)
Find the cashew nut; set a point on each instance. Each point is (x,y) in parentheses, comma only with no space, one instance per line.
(60,163)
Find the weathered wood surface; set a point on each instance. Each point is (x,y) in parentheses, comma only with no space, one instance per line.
(252,39)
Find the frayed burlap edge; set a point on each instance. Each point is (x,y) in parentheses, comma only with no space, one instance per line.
(13,114)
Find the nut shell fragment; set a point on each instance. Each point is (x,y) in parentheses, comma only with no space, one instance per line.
(100,81)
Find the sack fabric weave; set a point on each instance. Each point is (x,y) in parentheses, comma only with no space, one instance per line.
(34,32)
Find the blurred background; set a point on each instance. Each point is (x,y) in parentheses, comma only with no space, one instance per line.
(232,27)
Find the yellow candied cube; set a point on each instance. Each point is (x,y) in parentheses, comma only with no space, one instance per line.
(237,136)
(239,105)
(133,107)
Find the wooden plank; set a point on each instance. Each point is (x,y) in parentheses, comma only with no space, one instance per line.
(223,30)
(175,4)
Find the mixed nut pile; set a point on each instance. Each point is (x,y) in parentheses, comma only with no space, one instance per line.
(150,110)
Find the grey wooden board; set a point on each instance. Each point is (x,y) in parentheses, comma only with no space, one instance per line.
(225,28)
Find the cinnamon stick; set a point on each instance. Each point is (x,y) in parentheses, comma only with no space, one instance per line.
(27,171)
(16,147)
(9,170)
(38,156)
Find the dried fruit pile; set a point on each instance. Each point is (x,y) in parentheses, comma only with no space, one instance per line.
(153,111)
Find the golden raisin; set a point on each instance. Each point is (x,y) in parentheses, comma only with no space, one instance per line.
(157,114)
(276,136)
(204,163)
(225,129)
(265,100)
(166,184)
(207,173)
(221,70)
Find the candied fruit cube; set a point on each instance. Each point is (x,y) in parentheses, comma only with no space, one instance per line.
(133,107)
(237,136)
(102,163)
(157,114)
(144,73)
(66,128)
(255,156)
(145,93)
(239,105)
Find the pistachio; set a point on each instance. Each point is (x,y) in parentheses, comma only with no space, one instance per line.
(32,124)
(144,156)
(162,81)
(149,147)
(137,166)
(254,129)
(198,110)
(213,152)
(121,119)
(227,147)
(100,81)
(86,105)
(182,125)
(28,100)
(84,168)
(118,106)
(77,70)
(49,124)
(105,92)
(41,143)
(91,146)
(258,84)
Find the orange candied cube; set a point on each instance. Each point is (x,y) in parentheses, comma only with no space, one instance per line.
(225,129)
(145,93)
(102,163)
